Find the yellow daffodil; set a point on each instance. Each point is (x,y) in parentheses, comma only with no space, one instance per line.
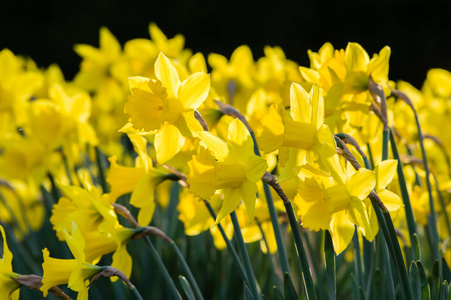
(141,181)
(335,202)
(303,131)
(167,106)
(9,288)
(232,167)
(74,272)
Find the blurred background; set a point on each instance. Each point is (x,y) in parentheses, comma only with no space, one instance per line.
(418,32)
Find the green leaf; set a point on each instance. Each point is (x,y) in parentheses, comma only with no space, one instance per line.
(416,246)
(288,288)
(446,271)
(356,295)
(415,284)
(377,285)
(277,294)
(187,288)
(247,293)
(435,286)
(329,254)
(425,292)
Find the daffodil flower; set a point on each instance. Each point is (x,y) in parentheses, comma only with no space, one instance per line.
(74,272)
(141,180)
(9,288)
(335,202)
(233,168)
(303,131)
(166,106)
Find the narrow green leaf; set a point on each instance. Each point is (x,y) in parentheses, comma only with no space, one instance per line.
(187,288)
(288,288)
(416,246)
(377,285)
(247,293)
(435,286)
(277,294)
(355,288)
(443,291)
(329,255)
(425,292)
(415,283)
(446,271)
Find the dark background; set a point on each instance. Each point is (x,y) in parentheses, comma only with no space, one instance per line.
(418,32)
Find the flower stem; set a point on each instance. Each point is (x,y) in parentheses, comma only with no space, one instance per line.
(136,294)
(188,271)
(244,256)
(172,288)
(228,242)
(411,225)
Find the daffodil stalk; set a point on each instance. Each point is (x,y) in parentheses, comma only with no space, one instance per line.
(432,218)
(252,283)
(172,288)
(306,274)
(411,224)
(101,168)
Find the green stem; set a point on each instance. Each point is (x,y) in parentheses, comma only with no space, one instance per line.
(391,238)
(244,256)
(370,154)
(136,294)
(306,274)
(433,217)
(411,225)
(101,166)
(281,250)
(268,254)
(172,288)
(358,259)
(228,243)
(330,265)
(385,139)
(188,271)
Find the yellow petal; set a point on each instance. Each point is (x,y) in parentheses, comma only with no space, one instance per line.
(342,231)
(270,136)
(75,242)
(309,75)
(240,138)
(249,195)
(216,145)
(168,142)
(194,90)
(356,58)
(122,261)
(378,66)
(357,213)
(122,179)
(202,175)
(255,167)
(301,106)
(390,199)
(167,74)
(385,171)
(317,107)
(361,183)
(232,198)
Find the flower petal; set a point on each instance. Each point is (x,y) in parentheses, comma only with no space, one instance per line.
(248,192)
(342,231)
(168,142)
(361,183)
(232,198)
(215,144)
(194,90)
(300,104)
(167,74)
(385,171)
